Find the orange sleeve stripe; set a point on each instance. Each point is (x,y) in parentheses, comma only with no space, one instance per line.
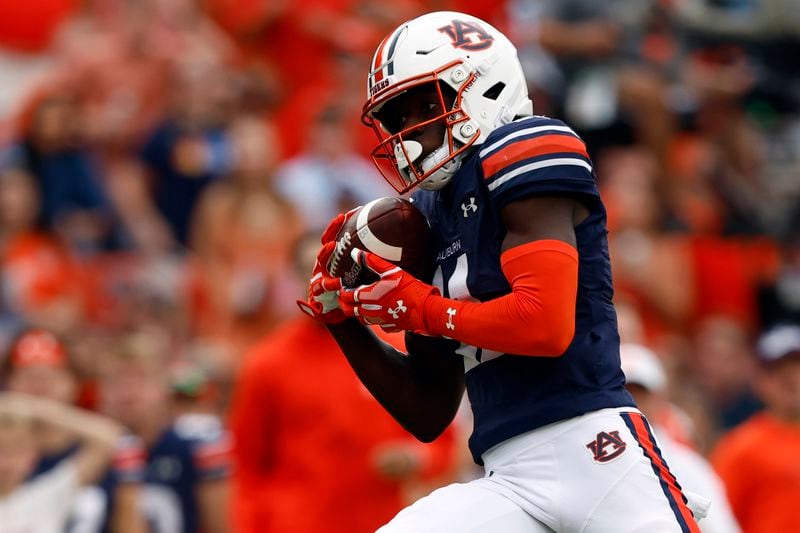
(538,146)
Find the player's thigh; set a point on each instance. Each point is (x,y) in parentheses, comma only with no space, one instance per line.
(637,504)
(464,508)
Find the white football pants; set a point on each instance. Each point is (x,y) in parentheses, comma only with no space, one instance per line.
(596,473)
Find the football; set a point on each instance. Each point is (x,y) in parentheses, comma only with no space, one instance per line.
(392,228)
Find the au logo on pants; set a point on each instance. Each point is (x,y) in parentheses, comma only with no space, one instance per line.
(607,445)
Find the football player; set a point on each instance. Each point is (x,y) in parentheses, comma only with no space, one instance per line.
(520,310)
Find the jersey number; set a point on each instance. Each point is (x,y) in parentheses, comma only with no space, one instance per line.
(457,289)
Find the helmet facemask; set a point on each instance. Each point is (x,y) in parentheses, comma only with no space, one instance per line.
(399,156)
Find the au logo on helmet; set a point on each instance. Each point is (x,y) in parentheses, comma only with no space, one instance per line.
(462,32)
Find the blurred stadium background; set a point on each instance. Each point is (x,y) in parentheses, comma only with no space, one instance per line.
(161,159)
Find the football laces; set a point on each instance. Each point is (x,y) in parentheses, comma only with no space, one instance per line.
(338,252)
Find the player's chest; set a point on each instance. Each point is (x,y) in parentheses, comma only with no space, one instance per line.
(468,235)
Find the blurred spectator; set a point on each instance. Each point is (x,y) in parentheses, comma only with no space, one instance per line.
(187,457)
(317,30)
(42,504)
(324,440)
(27,30)
(651,268)
(598,64)
(73,202)
(721,362)
(779,299)
(194,391)
(41,281)
(123,52)
(329,178)
(647,382)
(745,100)
(758,460)
(39,365)
(241,233)
(190,149)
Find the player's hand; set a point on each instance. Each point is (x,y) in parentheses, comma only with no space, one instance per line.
(323,297)
(395,302)
(323,290)
(335,225)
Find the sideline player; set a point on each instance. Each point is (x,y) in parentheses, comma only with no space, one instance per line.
(522,310)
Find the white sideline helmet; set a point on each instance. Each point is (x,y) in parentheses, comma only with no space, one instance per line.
(452,50)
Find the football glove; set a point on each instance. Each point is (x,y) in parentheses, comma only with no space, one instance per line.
(395,302)
(323,299)
(322,303)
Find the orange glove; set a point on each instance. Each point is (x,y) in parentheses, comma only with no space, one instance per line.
(395,302)
(536,318)
(322,303)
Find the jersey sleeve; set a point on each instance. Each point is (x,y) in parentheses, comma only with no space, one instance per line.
(129,460)
(538,156)
(210,443)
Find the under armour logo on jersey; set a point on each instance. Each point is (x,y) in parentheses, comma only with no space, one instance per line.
(471,207)
(451,313)
(606,446)
(397,310)
(467,35)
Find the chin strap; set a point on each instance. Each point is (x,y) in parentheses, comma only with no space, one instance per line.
(438,179)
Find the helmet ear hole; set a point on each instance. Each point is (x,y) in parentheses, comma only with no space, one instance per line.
(493,92)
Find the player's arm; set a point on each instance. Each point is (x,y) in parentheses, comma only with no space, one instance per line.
(212,456)
(129,464)
(98,434)
(212,497)
(536,318)
(126,515)
(421,390)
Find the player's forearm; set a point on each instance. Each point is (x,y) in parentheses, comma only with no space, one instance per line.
(126,516)
(537,318)
(87,426)
(422,402)
(98,434)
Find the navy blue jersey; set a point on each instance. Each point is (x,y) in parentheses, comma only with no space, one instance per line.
(512,394)
(193,450)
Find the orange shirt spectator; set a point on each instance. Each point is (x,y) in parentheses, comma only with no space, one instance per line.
(758,463)
(758,460)
(307,431)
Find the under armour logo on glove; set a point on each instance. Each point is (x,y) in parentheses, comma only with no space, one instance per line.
(471,207)
(397,310)
(451,314)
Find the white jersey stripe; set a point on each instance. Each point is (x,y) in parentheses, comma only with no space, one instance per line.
(370,240)
(537,165)
(519,133)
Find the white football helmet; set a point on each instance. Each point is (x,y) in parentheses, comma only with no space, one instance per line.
(452,50)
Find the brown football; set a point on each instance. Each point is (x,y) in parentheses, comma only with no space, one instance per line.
(392,228)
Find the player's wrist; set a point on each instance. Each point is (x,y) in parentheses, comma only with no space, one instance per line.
(436,318)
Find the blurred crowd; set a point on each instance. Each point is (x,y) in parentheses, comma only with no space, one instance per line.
(165,166)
